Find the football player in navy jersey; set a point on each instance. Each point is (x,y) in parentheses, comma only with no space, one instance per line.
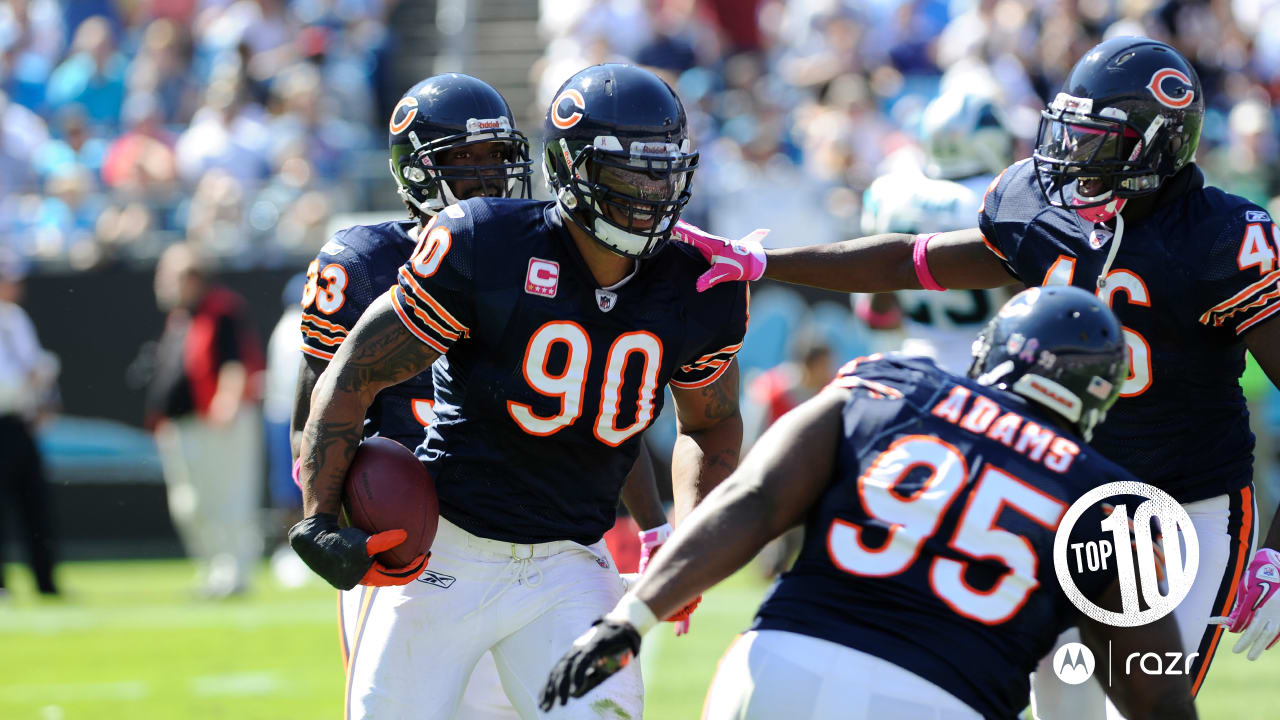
(926,587)
(556,326)
(1112,202)
(451,137)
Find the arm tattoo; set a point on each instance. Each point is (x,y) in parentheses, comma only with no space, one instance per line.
(382,352)
(725,461)
(720,398)
(321,438)
(378,352)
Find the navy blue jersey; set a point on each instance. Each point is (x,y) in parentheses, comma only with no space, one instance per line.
(932,548)
(548,380)
(356,266)
(1187,283)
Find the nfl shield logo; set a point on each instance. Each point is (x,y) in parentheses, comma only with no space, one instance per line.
(605,300)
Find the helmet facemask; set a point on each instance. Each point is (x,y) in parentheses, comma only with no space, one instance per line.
(629,201)
(1093,162)
(426,184)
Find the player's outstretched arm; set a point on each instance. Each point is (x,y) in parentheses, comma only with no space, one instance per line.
(708,439)
(1138,695)
(779,480)
(957,260)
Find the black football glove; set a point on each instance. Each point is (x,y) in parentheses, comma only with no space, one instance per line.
(344,556)
(605,649)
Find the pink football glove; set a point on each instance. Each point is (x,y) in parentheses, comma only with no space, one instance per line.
(739,260)
(1257,612)
(650,541)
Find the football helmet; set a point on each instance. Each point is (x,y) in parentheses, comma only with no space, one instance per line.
(449,112)
(618,157)
(1129,115)
(964,135)
(1058,346)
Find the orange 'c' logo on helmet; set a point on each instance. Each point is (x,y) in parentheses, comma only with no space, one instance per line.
(410,107)
(571,100)
(1176,81)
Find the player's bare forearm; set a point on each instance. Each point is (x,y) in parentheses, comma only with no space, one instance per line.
(780,479)
(1141,696)
(378,352)
(309,369)
(708,439)
(958,260)
(640,493)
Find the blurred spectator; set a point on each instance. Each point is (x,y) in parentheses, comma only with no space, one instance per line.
(162,70)
(27,394)
(73,147)
(92,76)
(305,119)
(226,134)
(22,133)
(141,162)
(31,42)
(216,216)
(202,403)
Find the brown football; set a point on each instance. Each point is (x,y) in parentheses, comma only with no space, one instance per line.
(388,488)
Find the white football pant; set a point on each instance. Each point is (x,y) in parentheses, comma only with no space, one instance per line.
(1227,531)
(413,648)
(776,675)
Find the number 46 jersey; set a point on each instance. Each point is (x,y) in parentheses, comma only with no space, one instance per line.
(1188,281)
(547,380)
(932,547)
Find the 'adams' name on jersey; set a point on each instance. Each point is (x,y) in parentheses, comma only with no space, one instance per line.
(546,374)
(1187,283)
(933,546)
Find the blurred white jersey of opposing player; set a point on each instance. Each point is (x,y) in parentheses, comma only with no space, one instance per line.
(967,143)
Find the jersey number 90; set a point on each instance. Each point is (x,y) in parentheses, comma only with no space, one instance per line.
(569,385)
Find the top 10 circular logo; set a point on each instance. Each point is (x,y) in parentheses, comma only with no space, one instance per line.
(1135,535)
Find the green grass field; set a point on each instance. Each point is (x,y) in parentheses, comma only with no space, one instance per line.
(128,642)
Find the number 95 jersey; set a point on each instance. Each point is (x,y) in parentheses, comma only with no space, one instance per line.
(546,380)
(1188,281)
(932,547)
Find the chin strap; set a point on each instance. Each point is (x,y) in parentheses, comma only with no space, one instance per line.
(1111,254)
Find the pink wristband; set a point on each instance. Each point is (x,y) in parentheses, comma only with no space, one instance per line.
(297,466)
(922,264)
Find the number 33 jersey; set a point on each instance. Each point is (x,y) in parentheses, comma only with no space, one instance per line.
(932,547)
(547,380)
(1188,282)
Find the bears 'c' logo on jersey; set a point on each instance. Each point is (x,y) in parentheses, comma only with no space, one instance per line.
(406,110)
(1172,88)
(566,111)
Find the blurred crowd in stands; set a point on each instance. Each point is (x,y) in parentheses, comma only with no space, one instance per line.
(235,124)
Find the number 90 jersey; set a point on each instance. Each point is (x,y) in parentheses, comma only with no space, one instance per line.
(1188,281)
(932,547)
(547,381)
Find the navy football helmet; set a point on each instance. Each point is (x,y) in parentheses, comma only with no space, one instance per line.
(1129,115)
(1058,346)
(618,157)
(446,113)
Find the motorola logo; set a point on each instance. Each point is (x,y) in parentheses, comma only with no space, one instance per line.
(1073,663)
